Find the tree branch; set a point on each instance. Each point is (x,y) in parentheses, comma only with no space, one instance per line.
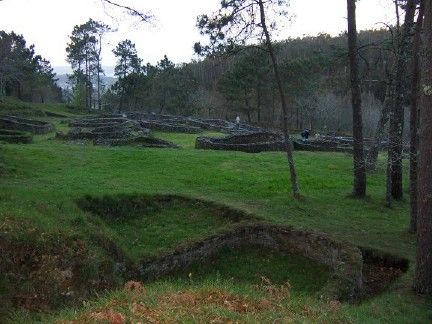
(144,16)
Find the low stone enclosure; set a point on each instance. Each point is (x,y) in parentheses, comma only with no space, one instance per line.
(26,125)
(190,125)
(344,260)
(112,131)
(353,269)
(58,261)
(170,127)
(272,141)
(356,274)
(333,143)
(250,143)
(15,137)
(317,145)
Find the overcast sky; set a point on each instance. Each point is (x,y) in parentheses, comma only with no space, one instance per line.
(47,23)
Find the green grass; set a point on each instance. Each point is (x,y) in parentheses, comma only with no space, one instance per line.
(10,105)
(246,267)
(40,183)
(53,173)
(186,141)
(160,231)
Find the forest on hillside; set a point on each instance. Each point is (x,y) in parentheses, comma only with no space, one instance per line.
(314,69)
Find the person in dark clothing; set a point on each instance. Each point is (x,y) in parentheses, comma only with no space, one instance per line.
(305,134)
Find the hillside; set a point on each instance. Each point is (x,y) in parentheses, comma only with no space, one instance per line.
(43,182)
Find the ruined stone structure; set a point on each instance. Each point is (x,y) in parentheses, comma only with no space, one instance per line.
(344,260)
(27,125)
(250,143)
(255,142)
(15,137)
(191,125)
(112,131)
(350,266)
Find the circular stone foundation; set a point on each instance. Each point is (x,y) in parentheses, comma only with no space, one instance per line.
(171,233)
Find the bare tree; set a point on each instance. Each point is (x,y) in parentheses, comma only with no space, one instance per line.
(380,133)
(240,21)
(359,189)
(143,16)
(397,112)
(423,277)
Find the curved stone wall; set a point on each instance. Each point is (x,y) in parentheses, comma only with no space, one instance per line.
(345,260)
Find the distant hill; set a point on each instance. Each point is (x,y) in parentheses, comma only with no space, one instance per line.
(63,79)
(63,71)
(109,70)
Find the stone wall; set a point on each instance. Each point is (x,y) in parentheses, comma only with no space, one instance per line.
(321,146)
(96,122)
(142,141)
(171,127)
(15,137)
(26,125)
(249,143)
(345,260)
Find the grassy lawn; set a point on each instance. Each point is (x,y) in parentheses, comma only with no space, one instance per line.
(12,106)
(52,174)
(247,267)
(145,228)
(42,181)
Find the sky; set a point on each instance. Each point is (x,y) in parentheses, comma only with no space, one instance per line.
(48,23)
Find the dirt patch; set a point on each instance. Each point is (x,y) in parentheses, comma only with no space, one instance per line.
(40,271)
(172,304)
(380,271)
(217,297)
(377,278)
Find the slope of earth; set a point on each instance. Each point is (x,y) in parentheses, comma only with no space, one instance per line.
(42,181)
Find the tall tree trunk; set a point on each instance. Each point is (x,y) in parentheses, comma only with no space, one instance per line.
(87,107)
(372,157)
(98,74)
(2,87)
(389,197)
(415,85)
(273,112)
(423,277)
(287,140)
(359,189)
(248,108)
(19,90)
(259,104)
(397,113)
